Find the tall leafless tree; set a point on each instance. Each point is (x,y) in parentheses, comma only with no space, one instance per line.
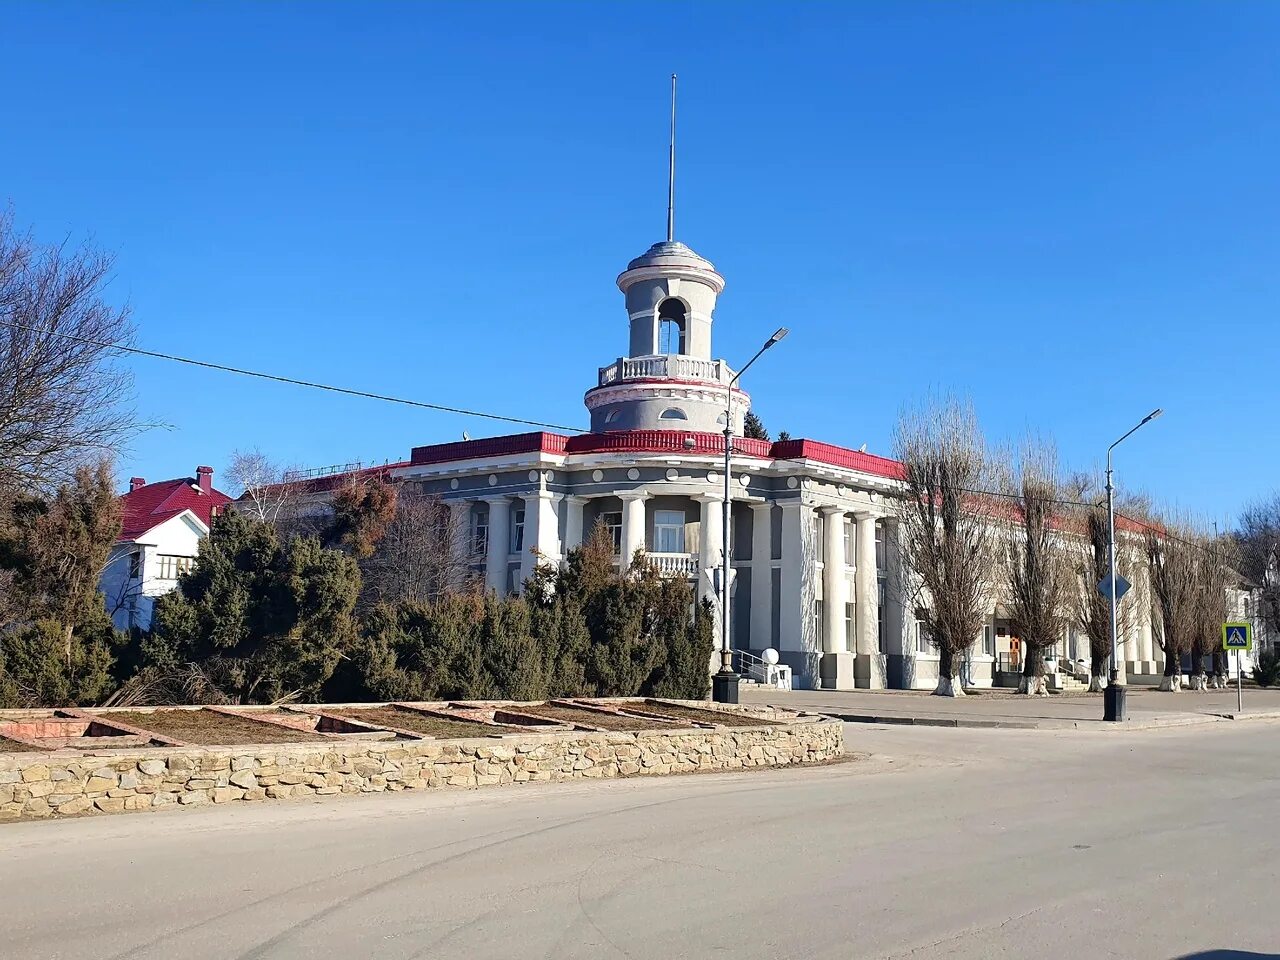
(1038,563)
(269,494)
(64,399)
(1171,561)
(1211,568)
(422,556)
(1092,607)
(1258,546)
(949,533)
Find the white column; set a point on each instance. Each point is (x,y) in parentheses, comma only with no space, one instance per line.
(834,588)
(869,669)
(459,532)
(796,641)
(541,532)
(632,526)
(495,561)
(837,661)
(761,575)
(710,549)
(573,522)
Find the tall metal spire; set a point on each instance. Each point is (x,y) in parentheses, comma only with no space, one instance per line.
(671,169)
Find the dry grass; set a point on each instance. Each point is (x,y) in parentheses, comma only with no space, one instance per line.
(13,746)
(210,729)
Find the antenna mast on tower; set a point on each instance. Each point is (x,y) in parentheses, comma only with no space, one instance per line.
(671,169)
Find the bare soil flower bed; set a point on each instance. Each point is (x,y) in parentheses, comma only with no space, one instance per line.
(726,718)
(588,718)
(13,746)
(208,728)
(429,726)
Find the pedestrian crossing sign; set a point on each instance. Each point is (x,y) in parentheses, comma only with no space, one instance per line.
(1237,636)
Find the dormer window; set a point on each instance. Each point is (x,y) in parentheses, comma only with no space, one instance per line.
(672,326)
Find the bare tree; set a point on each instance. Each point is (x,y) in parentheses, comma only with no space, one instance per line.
(423,554)
(1093,608)
(948,529)
(64,400)
(1173,582)
(1038,563)
(269,494)
(1212,574)
(1258,546)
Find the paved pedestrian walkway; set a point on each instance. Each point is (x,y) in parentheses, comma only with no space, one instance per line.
(1147,707)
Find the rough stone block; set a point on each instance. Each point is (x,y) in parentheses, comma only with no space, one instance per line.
(244,779)
(98,784)
(35,773)
(109,804)
(71,807)
(193,797)
(152,768)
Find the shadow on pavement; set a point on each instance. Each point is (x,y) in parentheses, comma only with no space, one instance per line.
(1229,955)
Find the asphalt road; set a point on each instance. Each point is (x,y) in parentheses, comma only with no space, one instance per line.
(941,843)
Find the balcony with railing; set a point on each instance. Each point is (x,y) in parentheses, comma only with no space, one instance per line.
(665,367)
(674,564)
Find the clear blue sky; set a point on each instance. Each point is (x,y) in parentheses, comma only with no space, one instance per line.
(1068,211)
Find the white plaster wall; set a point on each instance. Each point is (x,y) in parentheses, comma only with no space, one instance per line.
(131,601)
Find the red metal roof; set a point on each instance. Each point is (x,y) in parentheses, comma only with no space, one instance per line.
(152,504)
(654,441)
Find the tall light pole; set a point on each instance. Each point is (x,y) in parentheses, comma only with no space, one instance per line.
(724,685)
(1113,706)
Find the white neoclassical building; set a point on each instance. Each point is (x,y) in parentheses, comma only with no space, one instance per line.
(816,575)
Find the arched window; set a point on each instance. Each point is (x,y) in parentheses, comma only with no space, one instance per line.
(672,326)
(673,413)
(612,415)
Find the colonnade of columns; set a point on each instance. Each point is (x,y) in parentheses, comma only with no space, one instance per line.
(846,660)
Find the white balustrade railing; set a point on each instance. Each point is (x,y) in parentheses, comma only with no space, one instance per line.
(674,564)
(665,366)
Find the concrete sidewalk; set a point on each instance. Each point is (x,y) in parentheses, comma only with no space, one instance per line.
(1147,708)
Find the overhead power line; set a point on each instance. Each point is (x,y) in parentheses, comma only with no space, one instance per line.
(443,408)
(348,391)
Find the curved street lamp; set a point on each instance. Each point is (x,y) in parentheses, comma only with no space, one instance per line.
(724,685)
(1113,705)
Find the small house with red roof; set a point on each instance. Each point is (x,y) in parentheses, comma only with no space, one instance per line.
(164,523)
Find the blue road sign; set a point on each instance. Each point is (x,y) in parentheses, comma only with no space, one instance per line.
(1122,586)
(1237,636)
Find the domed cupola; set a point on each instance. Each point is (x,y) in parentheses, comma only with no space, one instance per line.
(668,380)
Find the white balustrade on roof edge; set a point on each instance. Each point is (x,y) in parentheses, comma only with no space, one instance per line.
(665,366)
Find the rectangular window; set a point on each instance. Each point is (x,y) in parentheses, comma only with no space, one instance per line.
(923,644)
(480,532)
(817,618)
(849,616)
(135,566)
(988,640)
(517,530)
(881,633)
(668,531)
(849,558)
(172,567)
(880,557)
(613,521)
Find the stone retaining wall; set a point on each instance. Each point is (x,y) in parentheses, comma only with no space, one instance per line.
(36,785)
